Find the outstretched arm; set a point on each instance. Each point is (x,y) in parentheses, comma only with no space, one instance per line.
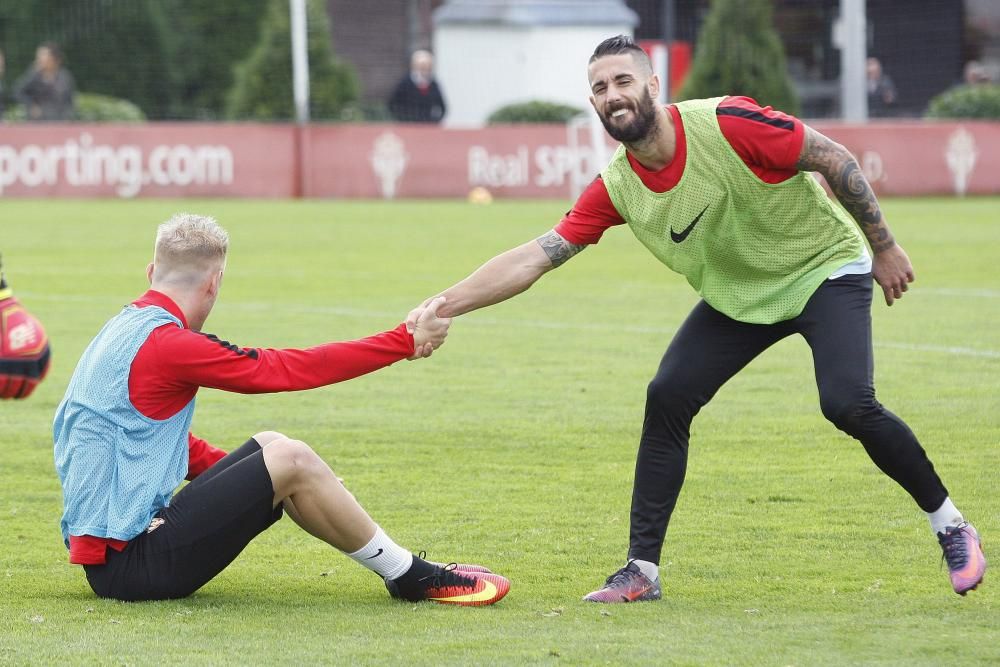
(891,267)
(507,274)
(173,360)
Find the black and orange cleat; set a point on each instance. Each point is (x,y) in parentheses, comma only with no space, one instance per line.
(449,585)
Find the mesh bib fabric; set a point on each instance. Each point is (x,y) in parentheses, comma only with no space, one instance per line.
(117,466)
(755,251)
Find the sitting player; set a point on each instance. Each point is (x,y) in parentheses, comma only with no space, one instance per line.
(123,445)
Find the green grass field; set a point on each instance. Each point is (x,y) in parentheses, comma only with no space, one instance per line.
(514,446)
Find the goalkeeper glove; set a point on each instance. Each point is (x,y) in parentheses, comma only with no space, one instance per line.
(24,347)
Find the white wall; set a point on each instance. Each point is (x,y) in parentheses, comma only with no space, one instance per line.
(481,68)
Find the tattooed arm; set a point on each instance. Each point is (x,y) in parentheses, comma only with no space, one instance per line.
(507,274)
(848,184)
(890,266)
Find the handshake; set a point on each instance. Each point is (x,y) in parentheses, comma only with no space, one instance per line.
(429,330)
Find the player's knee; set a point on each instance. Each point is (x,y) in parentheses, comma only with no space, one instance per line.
(265,438)
(664,393)
(296,458)
(847,412)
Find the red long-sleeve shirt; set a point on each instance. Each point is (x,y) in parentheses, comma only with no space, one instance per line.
(768,142)
(175,362)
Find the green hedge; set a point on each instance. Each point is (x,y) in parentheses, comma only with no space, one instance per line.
(977,101)
(91,108)
(366,111)
(14,114)
(533,112)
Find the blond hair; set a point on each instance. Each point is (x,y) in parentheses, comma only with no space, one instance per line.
(188,245)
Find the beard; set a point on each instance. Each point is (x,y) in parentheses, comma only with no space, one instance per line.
(640,127)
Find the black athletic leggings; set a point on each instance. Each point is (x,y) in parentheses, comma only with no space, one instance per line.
(710,348)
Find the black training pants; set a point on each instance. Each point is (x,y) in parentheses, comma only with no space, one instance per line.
(208,523)
(710,348)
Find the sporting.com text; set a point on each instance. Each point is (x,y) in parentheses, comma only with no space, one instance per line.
(79,162)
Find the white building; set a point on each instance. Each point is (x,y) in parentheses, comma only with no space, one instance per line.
(490,53)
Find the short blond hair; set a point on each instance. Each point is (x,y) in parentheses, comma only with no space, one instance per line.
(189,242)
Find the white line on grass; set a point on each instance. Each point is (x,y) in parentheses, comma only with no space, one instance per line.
(943,349)
(957,291)
(534,324)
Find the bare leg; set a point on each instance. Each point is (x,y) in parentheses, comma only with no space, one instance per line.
(319,503)
(265,438)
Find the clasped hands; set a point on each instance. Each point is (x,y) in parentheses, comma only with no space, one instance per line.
(429,330)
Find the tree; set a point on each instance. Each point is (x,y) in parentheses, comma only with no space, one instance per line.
(263,84)
(740,53)
(117,49)
(211,37)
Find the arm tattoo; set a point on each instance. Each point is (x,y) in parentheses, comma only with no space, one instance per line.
(557,248)
(848,184)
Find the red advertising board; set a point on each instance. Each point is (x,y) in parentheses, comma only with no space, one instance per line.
(392,161)
(389,161)
(922,158)
(155,160)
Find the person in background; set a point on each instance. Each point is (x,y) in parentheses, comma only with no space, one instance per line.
(47,90)
(974,74)
(881,90)
(417,97)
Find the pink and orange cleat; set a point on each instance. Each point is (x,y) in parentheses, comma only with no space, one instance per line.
(963,551)
(461,567)
(449,585)
(628,584)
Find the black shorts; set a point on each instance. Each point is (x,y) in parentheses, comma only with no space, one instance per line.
(208,523)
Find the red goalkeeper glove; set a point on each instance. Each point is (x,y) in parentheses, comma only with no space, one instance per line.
(24,348)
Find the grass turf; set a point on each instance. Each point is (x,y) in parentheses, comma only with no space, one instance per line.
(514,446)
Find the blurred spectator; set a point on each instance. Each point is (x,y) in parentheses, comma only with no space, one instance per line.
(417,97)
(974,73)
(881,90)
(47,89)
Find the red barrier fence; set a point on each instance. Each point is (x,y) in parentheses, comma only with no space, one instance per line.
(389,161)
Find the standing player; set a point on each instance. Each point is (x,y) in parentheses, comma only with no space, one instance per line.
(716,189)
(123,445)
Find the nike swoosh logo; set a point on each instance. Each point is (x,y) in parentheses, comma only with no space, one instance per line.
(677,238)
(377,554)
(488,592)
(631,597)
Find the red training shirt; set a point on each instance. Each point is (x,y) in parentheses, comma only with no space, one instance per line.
(174,362)
(768,141)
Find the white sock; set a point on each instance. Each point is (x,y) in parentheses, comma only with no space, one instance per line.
(649,570)
(384,556)
(944,516)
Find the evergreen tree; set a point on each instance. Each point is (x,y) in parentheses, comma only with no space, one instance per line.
(263,84)
(119,49)
(740,53)
(211,37)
